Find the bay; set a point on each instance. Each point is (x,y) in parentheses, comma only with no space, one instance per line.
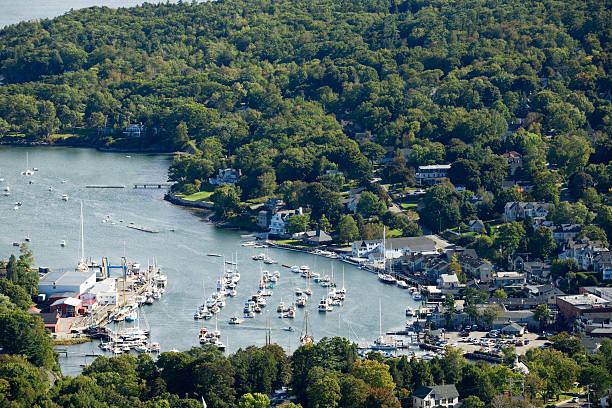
(180,248)
(14,11)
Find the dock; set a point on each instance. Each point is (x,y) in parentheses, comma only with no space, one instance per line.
(143,229)
(104,186)
(152,185)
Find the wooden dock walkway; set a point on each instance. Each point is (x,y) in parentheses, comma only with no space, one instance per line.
(152,185)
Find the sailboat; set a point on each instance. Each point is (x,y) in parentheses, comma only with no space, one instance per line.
(306,338)
(381,343)
(342,291)
(82,266)
(27,171)
(385,277)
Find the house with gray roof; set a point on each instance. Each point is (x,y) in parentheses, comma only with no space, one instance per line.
(445,396)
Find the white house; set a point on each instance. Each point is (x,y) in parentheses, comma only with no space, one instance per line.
(444,396)
(564,232)
(394,247)
(448,281)
(69,281)
(433,174)
(277,222)
(476,226)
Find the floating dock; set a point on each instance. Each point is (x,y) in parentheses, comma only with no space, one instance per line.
(143,229)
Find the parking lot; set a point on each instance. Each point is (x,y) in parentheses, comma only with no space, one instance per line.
(478,340)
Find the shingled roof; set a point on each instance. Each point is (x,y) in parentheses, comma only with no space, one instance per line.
(443,391)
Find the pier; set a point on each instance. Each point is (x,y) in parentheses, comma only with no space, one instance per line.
(152,185)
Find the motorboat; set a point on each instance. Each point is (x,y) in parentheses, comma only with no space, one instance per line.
(130,317)
(409,312)
(259,257)
(281,307)
(295,269)
(402,284)
(63,242)
(386,278)
(235,320)
(289,329)
(324,305)
(65,197)
(50,188)
(417,296)
(299,292)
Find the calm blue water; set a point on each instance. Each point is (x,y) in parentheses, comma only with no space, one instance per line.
(14,11)
(181,253)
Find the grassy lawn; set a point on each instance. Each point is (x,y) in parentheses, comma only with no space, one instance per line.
(292,242)
(199,196)
(409,206)
(394,233)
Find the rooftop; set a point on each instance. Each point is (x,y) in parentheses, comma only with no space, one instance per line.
(584,299)
(442,391)
(65,278)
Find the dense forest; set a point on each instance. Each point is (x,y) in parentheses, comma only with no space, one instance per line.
(286,90)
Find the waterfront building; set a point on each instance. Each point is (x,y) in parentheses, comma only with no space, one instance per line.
(395,247)
(69,281)
(134,130)
(226,176)
(102,293)
(443,396)
(277,223)
(68,307)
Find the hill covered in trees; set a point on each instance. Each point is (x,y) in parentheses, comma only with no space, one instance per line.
(283,90)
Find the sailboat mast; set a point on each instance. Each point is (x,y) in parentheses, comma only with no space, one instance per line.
(82,236)
(379,319)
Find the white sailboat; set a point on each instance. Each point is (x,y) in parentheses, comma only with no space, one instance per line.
(381,343)
(27,171)
(82,266)
(306,338)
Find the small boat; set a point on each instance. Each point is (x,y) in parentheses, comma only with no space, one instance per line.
(50,188)
(65,197)
(402,284)
(269,261)
(230,262)
(63,242)
(324,306)
(63,181)
(258,257)
(15,208)
(417,296)
(299,292)
(409,312)
(155,347)
(16,244)
(27,238)
(130,317)
(235,320)
(289,329)
(386,278)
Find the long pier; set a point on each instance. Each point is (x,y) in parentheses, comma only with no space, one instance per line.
(152,185)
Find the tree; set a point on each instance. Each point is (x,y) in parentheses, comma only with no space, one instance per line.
(449,309)
(297,223)
(374,373)
(490,313)
(373,151)
(256,400)
(569,153)
(25,334)
(465,173)
(545,187)
(541,314)
(541,243)
(579,182)
(226,201)
(440,208)
(509,236)
(347,229)
(370,205)
(594,233)
(561,267)
(500,294)
(324,390)
(472,401)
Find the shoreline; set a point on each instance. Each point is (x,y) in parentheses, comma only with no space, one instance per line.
(153,149)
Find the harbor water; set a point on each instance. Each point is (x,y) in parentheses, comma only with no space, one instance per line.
(180,248)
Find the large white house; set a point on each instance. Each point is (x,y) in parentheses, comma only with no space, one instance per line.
(277,223)
(226,176)
(444,396)
(432,174)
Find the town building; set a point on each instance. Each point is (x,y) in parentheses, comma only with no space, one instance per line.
(602,262)
(69,281)
(574,306)
(514,329)
(68,307)
(226,176)
(102,293)
(515,210)
(472,265)
(505,279)
(394,247)
(443,396)
(448,281)
(50,320)
(434,174)
(352,200)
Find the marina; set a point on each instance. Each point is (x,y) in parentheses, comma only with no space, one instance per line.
(181,255)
